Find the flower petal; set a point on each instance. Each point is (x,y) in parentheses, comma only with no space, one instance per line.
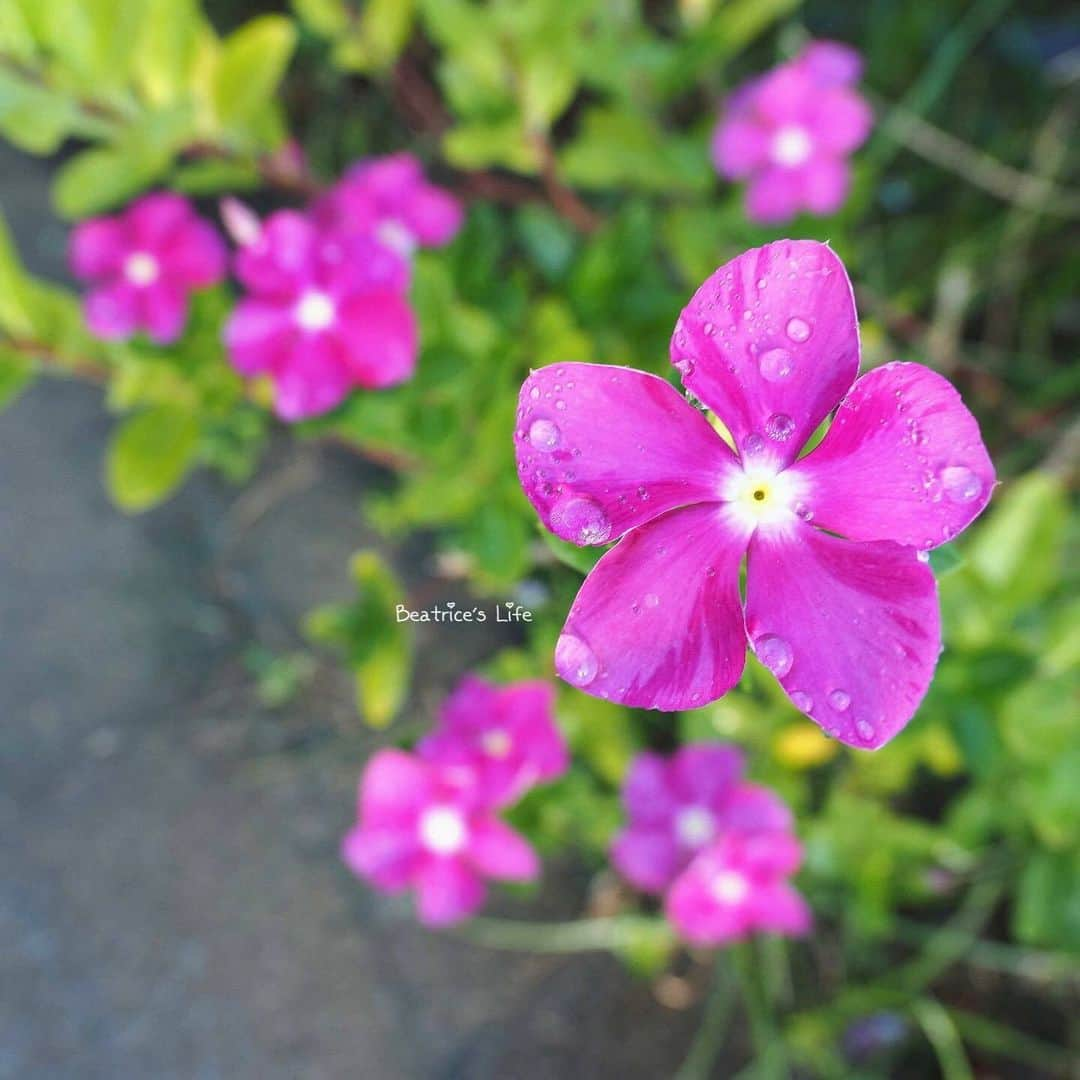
(851,630)
(903,461)
(98,247)
(280,262)
(154,219)
(196,256)
(378,330)
(705,772)
(394,788)
(432,215)
(752,808)
(770,343)
(603,449)
(386,857)
(739,146)
(497,851)
(260,335)
(841,120)
(647,858)
(824,181)
(313,381)
(831,63)
(646,791)
(112,311)
(658,622)
(780,909)
(447,892)
(164,310)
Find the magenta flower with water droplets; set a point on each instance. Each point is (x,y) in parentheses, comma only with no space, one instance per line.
(143,264)
(738,886)
(678,806)
(324,313)
(430,827)
(507,734)
(390,199)
(839,605)
(789,133)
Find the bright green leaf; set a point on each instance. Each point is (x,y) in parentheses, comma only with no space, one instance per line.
(149,456)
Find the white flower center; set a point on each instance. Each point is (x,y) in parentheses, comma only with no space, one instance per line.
(729,887)
(443,830)
(759,495)
(694,826)
(315,311)
(141,268)
(791,146)
(396,236)
(496,743)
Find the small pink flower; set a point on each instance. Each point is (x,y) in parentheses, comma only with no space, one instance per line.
(790,132)
(738,886)
(677,806)
(428,827)
(840,604)
(142,264)
(507,734)
(389,198)
(324,314)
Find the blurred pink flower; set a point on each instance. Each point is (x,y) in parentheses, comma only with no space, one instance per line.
(429,827)
(389,199)
(739,886)
(324,313)
(790,132)
(507,734)
(142,264)
(679,805)
(839,602)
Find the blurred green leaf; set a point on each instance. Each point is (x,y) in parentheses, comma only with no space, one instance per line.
(149,455)
(251,66)
(1048,901)
(16,373)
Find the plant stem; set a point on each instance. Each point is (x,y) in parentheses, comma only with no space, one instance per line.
(770,1056)
(941,1032)
(714,1024)
(580,935)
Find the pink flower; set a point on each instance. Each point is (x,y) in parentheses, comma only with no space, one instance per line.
(389,198)
(790,132)
(507,734)
(324,314)
(677,806)
(429,827)
(142,264)
(738,886)
(840,603)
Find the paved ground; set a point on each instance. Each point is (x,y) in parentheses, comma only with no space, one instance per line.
(171,904)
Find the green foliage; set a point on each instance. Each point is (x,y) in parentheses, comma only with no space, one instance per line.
(149,456)
(376,647)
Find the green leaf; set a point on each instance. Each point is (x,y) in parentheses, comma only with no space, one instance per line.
(16,373)
(1048,901)
(481,143)
(149,456)
(251,66)
(15,316)
(37,119)
(326,17)
(378,38)
(945,559)
(377,647)
(167,49)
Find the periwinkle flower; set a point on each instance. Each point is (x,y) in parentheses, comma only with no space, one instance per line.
(789,133)
(507,734)
(739,886)
(432,828)
(840,603)
(142,265)
(325,312)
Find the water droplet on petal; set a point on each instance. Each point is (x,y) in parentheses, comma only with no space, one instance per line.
(534,393)
(960,483)
(803,511)
(865,730)
(643,493)
(580,520)
(560,405)
(652,600)
(780,427)
(922,556)
(544,435)
(775,364)
(798,330)
(775,653)
(709,329)
(839,699)
(685,366)
(802,702)
(575,661)
(753,444)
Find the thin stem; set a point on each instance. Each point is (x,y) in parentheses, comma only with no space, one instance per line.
(581,935)
(770,1056)
(714,1024)
(1009,1043)
(942,1035)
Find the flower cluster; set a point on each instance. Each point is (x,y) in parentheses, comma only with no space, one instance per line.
(720,849)
(790,131)
(326,306)
(840,603)
(429,820)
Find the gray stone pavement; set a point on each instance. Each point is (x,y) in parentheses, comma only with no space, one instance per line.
(171,903)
